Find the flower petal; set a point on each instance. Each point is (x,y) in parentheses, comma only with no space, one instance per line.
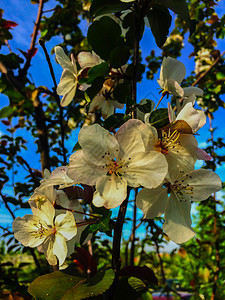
(202,155)
(192,116)
(113,190)
(65,225)
(173,87)
(67,98)
(25,230)
(188,91)
(172,69)
(63,59)
(96,143)
(146,169)
(152,201)
(67,82)
(47,248)
(204,183)
(88,59)
(82,171)
(177,220)
(131,137)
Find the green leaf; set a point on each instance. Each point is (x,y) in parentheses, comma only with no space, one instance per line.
(76,147)
(119,56)
(91,287)
(61,285)
(137,284)
(180,7)
(101,7)
(95,88)
(103,223)
(146,296)
(100,70)
(160,20)
(144,273)
(104,35)
(146,105)
(159,118)
(121,92)
(53,286)
(11,61)
(6,112)
(115,121)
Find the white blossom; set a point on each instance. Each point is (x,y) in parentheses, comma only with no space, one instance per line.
(172,73)
(173,198)
(47,231)
(114,162)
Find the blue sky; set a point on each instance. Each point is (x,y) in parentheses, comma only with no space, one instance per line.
(24,14)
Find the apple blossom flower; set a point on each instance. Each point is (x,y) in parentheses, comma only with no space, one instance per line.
(173,198)
(104,101)
(114,162)
(70,77)
(46,230)
(57,177)
(172,73)
(107,106)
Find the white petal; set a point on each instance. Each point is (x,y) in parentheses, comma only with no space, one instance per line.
(171,113)
(63,59)
(82,171)
(172,69)
(58,177)
(152,201)
(178,221)
(188,91)
(113,189)
(67,98)
(47,248)
(146,169)
(183,160)
(45,211)
(173,87)
(191,116)
(60,248)
(88,59)
(67,82)
(25,230)
(65,225)
(96,103)
(204,182)
(97,143)
(132,137)
(73,204)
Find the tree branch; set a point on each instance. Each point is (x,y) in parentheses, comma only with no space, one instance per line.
(56,96)
(33,40)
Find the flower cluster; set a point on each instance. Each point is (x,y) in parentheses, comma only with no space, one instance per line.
(54,227)
(158,161)
(104,100)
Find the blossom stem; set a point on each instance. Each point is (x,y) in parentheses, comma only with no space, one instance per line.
(159,101)
(116,262)
(86,223)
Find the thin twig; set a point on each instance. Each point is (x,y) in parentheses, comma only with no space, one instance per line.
(34,37)
(7,206)
(208,70)
(134,227)
(55,95)
(116,262)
